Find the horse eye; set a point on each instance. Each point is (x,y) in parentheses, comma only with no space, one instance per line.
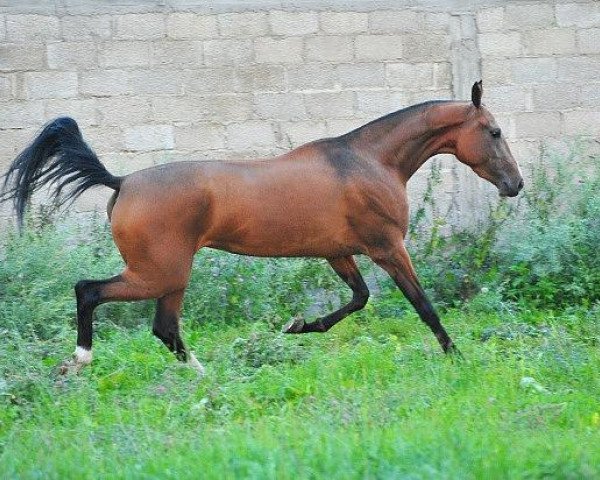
(496,132)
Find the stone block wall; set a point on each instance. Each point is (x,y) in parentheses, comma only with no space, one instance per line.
(166,80)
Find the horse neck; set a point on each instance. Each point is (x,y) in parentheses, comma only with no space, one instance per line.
(406,140)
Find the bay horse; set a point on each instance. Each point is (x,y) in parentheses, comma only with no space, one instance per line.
(332,198)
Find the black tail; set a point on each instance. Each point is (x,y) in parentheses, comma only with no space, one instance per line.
(58,157)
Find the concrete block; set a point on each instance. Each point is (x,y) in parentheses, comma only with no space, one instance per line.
(380,102)
(140,26)
(590,95)
(293,23)
(335,23)
(442,76)
(185,109)
(559,96)
(379,47)
(554,41)
(299,133)
(533,70)
(155,82)
(7,86)
(312,76)
(525,152)
(209,80)
(72,55)
(583,15)
(243,24)
(323,106)
(341,126)
(149,137)
(124,163)
(28,6)
(410,76)
(352,75)
(490,20)
(538,124)
(124,54)
(420,96)
(227,52)
(182,25)
(278,50)
(507,98)
(21,114)
(259,78)
(16,57)
(396,21)
(589,40)
(103,83)
(202,136)
(79,28)
(50,85)
(32,28)
(538,15)
(581,122)
(579,69)
(279,106)
(329,49)
(82,110)
(250,135)
(437,22)
(496,71)
(500,44)
(90,205)
(121,111)
(226,108)
(178,53)
(104,139)
(12,142)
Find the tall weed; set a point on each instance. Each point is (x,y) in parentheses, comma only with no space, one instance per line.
(540,250)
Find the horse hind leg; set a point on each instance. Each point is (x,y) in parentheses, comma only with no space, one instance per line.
(124,287)
(347,270)
(166,328)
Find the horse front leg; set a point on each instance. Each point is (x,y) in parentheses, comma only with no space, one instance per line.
(396,262)
(347,270)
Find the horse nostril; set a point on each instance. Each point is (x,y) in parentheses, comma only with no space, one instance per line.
(521,184)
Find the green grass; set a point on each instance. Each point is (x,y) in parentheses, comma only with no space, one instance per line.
(373,398)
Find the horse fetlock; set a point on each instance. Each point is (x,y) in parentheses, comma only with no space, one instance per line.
(298,325)
(295,325)
(82,356)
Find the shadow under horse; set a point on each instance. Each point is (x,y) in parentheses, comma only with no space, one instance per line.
(333,198)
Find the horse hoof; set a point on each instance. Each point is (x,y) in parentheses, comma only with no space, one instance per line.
(70,366)
(295,325)
(455,354)
(196,365)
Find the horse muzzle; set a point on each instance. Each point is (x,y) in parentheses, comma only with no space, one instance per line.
(510,189)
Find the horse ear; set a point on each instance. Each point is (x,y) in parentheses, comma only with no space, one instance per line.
(476,93)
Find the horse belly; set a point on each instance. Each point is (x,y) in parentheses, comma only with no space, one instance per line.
(286,232)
